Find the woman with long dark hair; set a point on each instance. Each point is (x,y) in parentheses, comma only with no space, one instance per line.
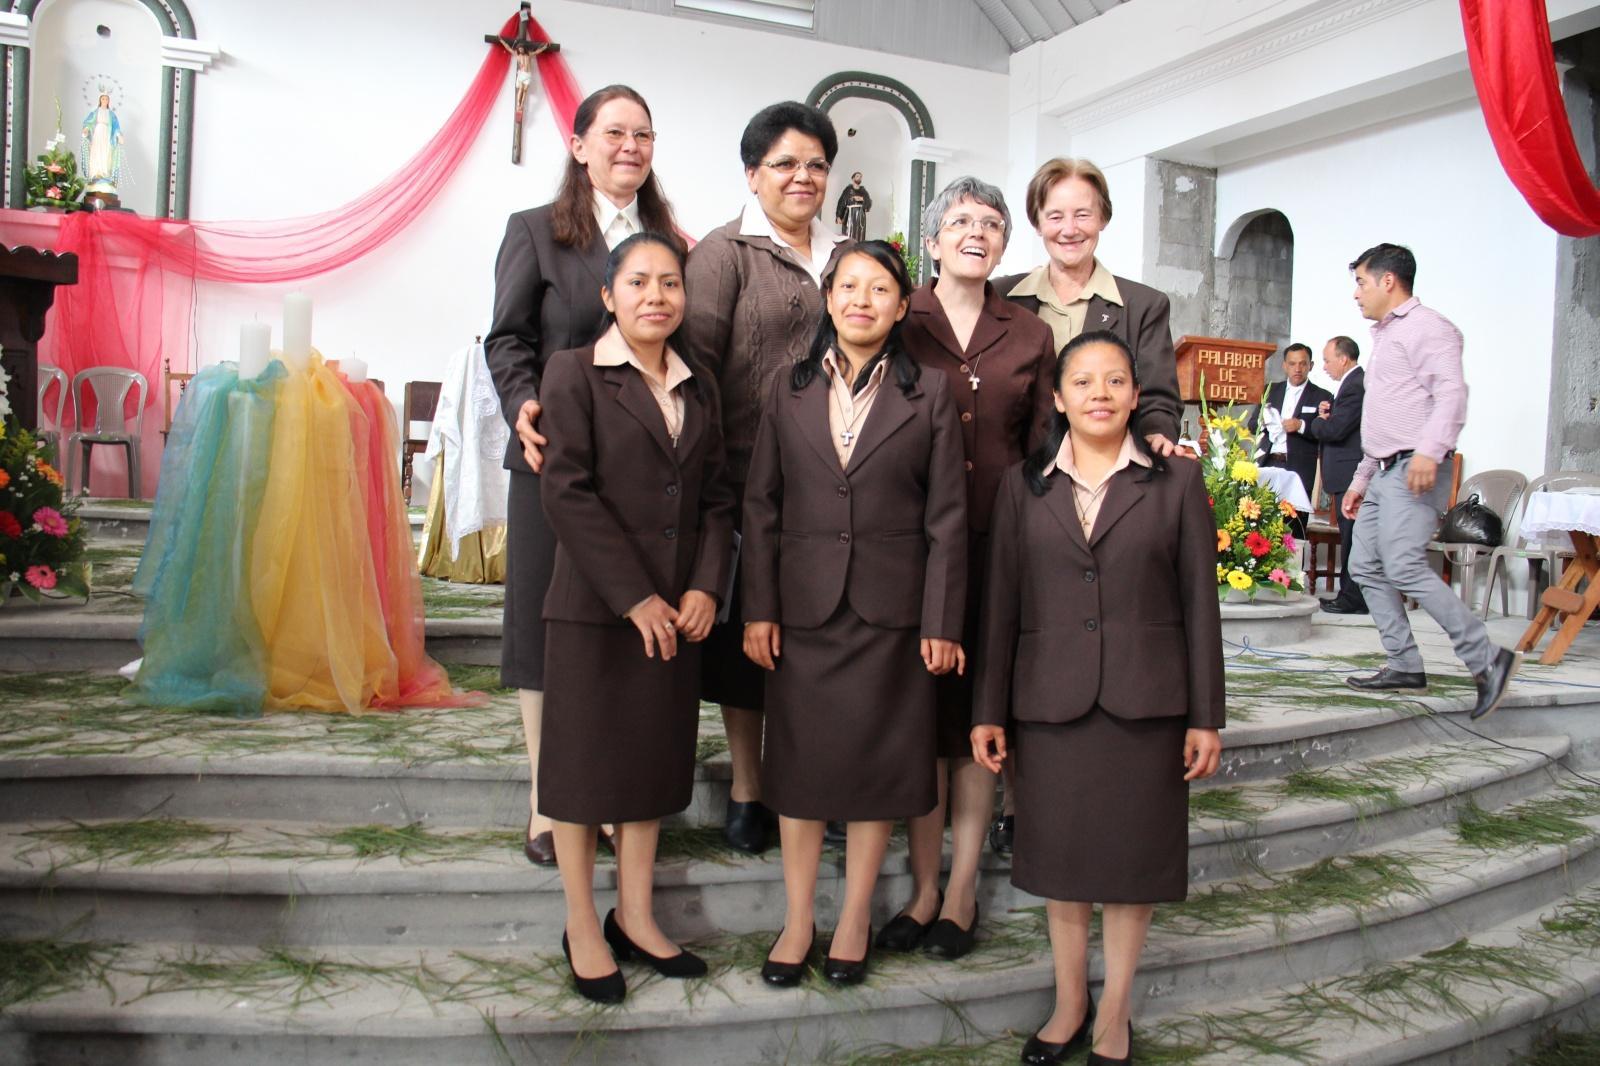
(633,488)
(546,299)
(1102,649)
(855,578)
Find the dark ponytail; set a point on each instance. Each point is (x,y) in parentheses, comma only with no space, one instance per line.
(1041,457)
(906,370)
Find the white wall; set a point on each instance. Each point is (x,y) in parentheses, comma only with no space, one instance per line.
(1433,183)
(298,119)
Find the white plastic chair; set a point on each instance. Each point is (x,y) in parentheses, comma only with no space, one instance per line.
(1500,491)
(1539,557)
(52,376)
(111,385)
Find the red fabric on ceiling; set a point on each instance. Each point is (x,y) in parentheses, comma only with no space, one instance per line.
(1513,66)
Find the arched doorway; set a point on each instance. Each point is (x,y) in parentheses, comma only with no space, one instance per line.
(1255,282)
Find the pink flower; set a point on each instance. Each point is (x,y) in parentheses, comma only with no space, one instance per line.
(53,192)
(1279,576)
(56,168)
(1289,543)
(50,521)
(41,577)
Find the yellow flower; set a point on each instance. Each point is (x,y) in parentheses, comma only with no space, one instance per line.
(1240,580)
(50,473)
(1222,572)
(1244,470)
(1223,542)
(1249,508)
(1236,524)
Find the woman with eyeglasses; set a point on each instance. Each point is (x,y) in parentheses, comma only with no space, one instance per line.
(755,300)
(547,299)
(997,357)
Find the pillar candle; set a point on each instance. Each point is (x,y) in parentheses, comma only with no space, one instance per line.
(255,348)
(296,330)
(354,369)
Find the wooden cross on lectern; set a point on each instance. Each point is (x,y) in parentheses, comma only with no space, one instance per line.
(522,48)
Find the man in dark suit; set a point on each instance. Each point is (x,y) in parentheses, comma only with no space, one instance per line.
(1297,402)
(1337,428)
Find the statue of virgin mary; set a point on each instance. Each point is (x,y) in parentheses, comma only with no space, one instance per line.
(100,158)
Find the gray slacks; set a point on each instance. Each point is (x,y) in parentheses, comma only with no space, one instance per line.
(1389,560)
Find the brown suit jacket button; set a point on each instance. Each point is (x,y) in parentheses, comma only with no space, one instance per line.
(843,492)
(844,538)
(672,490)
(1088,575)
(671,533)
(966,416)
(969,464)
(1091,625)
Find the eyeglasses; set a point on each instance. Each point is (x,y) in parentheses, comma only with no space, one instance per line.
(991,227)
(788,166)
(642,138)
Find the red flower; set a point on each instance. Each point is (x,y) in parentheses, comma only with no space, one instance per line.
(9,526)
(1257,544)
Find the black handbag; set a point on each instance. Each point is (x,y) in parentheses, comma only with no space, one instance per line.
(1471,522)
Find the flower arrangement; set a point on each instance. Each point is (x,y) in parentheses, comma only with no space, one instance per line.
(54,180)
(1255,549)
(41,540)
(897,241)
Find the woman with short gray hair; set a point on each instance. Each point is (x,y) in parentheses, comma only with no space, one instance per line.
(998,358)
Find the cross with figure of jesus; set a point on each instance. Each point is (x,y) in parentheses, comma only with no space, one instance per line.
(522,48)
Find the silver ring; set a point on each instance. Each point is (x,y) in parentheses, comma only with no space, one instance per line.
(670,628)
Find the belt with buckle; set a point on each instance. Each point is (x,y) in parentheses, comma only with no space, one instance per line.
(1389,460)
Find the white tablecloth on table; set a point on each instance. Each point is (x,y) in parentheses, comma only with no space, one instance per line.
(1550,517)
(1286,483)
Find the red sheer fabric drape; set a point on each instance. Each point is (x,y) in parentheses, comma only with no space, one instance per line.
(132,304)
(1508,46)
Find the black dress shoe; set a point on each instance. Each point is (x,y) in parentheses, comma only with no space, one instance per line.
(947,940)
(540,848)
(683,964)
(845,972)
(1102,1060)
(608,989)
(905,933)
(746,827)
(836,834)
(1387,680)
(1493,682)
(1001,834)
(1343,607)
(787,974)
(1038,1052)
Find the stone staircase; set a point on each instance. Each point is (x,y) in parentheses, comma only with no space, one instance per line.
(1372,883)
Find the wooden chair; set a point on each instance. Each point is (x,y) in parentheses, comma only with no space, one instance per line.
(169,406)
(421,402)
(1322,530)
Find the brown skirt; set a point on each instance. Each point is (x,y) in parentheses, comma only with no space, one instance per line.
(530,560)
(1102,810)
(849,724)
(617,741)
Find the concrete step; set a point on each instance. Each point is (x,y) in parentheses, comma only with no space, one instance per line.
(183,1003)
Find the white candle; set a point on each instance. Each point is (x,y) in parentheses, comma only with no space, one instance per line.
(296,330)
(255,348)
(354,369)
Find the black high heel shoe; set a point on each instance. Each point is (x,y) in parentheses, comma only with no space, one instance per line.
(1126,1060)
(947,940)
(905,933)
(683,964)
(608,989)
(845,972)
(1038,1052)
(787,974)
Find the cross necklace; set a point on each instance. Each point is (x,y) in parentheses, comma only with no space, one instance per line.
(848,434)
(972,372)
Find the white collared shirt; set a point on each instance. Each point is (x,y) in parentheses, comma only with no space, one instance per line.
(616,223)
(755,223)
(612,349)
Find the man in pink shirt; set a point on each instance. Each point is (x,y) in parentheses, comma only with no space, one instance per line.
(1416,404)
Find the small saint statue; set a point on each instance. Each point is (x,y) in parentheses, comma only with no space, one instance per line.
(100,158)
(851,214)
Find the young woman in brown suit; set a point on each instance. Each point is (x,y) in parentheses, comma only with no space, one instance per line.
(998,359)
(633,488)
(546,299)
(1102,646)
(855,557)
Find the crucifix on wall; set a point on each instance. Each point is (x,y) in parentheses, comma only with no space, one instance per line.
(523,49)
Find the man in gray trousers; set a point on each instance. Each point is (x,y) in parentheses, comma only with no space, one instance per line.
(1416,404)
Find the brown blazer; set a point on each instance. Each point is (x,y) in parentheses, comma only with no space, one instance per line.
(546,299)
(1127,620)
(888,534)
(632,514)
(1013,355)
(1142,321)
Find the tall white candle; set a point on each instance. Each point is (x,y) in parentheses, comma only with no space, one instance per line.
(354,369)
(296,330)
(255,348)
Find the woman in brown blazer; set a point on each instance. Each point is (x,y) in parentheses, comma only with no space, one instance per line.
(755,298)
(1102,647)
(633,488)
(855,575)
(998,360)
(546,299)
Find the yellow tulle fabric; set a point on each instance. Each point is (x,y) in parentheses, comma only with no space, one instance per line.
(314,587)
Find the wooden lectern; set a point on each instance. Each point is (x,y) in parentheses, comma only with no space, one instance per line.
(1234,371)
(29,277)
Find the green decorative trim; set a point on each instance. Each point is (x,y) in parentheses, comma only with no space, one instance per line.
(861,84)
(177,104)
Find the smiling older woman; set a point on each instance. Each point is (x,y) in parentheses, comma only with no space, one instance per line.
(755,299)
